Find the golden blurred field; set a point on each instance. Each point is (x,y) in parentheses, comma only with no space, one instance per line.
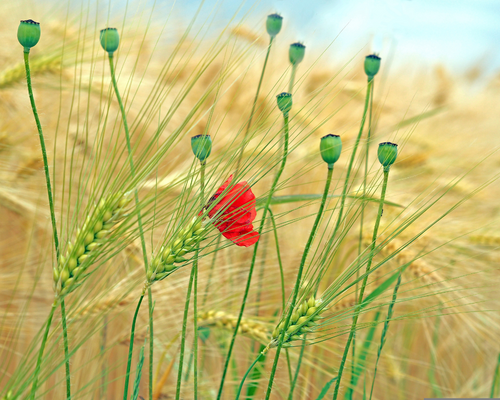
(443,338)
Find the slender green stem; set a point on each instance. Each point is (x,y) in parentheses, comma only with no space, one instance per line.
(299,278)
(52,210)
(351,161)
(254,256)
(131,347)
(66,349)
(278,254)
(386,328)
(44,152)
(139,220)
(297,370)
(254,105)
(183,339)
(151,344)
(350,389)
(195,293)
(292,78)
(246,374)
(40,353)
(363,284)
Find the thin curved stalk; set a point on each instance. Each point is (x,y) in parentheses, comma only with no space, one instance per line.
(52,210)
(292,78)
(351,161)
(246,374)
(195,294)
(254,105)
(386,328)
(139,221)
(299,278)
(131,347)
(40,353)
(363,285)
(254,256)
(350,389)
(66,349)
(278,254)
(183,339)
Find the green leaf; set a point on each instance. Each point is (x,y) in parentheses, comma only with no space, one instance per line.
(295,198)
(325,389)
(138,373)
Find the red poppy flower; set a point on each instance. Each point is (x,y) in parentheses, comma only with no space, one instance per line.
(234,213)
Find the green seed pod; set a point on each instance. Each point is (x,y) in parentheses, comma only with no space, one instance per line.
(82,258)
(295,337)
(199,232)
(110,40)
(189,242)
(98,226)
(311,302)
(273,24)
(76,272)
(196,225)
(72,263)
(372,65)
(69,282)
(181,252)
(92,246)
(311,324)
(107,216)
(201,146)
(284,103)
(330,147)
(387,154)
(55,274)
(276,333)
(150,275)
(311,311)
(64,275)
(170,259)
(180,260)
(108,226)
(89,238)
(80,250)
(169,267)
(295,317)
(177,245)
(302,320)
(296,53)
(28,34)
(102,234)
(292,329)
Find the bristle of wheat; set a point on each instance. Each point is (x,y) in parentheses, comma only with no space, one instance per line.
(248,327)
(71,267)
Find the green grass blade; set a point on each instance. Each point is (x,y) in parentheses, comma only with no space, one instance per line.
(326,388)
(135,392)
(295,198)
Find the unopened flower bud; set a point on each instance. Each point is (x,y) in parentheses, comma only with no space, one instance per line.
(296,52)
(284,102)
(330,147)
(387,154)
(372,65)
(28,34)
(273,24)
(110,40)
(201,146)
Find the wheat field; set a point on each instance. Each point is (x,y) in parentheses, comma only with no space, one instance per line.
(178,80)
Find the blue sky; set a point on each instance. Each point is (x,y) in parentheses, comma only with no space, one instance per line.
(456,33)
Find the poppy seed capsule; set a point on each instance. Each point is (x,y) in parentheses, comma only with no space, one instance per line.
(330,147)
(387,154)
(273,24)
(284,102)
(110,40)
(296,52)
(201,146)
(372,65)
(28,34)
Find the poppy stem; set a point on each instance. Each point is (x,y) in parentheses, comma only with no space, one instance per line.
(254,105)
(256,246)
(52,213)
(363,284)
(141,234)
(312,235)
